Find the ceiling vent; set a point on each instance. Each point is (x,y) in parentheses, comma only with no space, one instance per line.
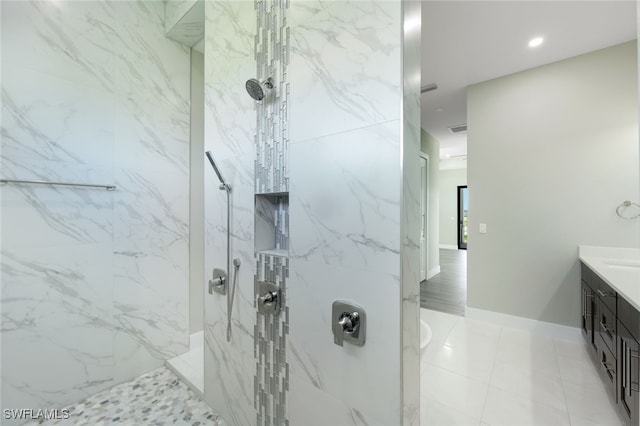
(462,128)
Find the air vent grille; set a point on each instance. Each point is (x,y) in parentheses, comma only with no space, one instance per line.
(458,129)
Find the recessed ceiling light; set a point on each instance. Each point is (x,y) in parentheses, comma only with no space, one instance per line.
(439,109)
(535,42)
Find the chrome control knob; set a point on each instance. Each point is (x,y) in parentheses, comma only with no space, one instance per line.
(349,322)
(268,299)
(218,283)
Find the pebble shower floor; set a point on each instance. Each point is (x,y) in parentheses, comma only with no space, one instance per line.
(155,398)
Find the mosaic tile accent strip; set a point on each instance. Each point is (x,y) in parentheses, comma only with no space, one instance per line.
(156,398)
(282,224)
(270,347)
(272,131)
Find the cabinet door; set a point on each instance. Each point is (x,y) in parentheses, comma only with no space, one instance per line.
(628,375)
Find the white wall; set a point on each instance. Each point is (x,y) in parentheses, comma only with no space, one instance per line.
(431,147)
(196,196)
(448,189)
(552,152)
(94,283)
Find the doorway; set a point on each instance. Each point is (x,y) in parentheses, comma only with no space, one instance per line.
(463,221)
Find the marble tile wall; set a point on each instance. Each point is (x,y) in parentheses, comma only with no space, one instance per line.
(346,209)
(94,283)
(230,125)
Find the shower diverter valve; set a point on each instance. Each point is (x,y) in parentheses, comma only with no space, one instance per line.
(348,323)
(219,281)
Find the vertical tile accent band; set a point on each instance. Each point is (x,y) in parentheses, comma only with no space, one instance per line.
(272,41)
(272,131)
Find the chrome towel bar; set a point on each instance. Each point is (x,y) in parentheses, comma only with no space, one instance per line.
(44,182)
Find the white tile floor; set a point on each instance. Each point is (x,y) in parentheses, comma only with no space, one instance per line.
(481,374)
(190,365)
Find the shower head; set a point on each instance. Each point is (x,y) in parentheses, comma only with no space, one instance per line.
(223,185)
(258,90)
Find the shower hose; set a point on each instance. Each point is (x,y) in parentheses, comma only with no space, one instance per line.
(232,290)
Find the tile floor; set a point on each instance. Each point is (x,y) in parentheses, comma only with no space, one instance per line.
(156,398)
(481,374)
(472,373)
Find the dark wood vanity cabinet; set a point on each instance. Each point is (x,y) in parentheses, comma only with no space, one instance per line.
(611,328)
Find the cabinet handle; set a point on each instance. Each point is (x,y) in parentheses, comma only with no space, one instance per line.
(633,386)
(604,294)
(604,328)
(626,374)
(607,366)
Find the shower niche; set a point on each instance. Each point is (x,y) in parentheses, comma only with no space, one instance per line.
(272,224)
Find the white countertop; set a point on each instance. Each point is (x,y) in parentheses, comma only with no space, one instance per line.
(618,267)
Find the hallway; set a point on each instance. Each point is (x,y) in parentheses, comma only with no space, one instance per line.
(447,291)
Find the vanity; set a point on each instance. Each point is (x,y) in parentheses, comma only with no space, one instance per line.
(610,297)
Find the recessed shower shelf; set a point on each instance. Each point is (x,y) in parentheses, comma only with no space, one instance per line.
(272,224)
(275,252)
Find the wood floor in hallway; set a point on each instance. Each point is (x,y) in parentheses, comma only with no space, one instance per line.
(447,291)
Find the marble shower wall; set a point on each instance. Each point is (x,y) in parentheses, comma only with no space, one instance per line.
(350,140)
(348,211)
(230,126)
(94,283)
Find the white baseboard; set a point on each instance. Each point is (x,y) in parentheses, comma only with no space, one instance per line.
(542,327)
(433,272)
(448,247)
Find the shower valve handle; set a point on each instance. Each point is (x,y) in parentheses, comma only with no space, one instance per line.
(349,322)
(269,298)
(218,283)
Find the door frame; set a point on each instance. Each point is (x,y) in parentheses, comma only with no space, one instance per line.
(459,218)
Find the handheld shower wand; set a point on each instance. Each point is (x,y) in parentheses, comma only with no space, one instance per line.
(224,186)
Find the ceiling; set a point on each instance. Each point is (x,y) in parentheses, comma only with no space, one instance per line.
(466,42)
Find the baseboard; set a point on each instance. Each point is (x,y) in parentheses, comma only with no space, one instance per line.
(433,272)
(542,327)
(448,247)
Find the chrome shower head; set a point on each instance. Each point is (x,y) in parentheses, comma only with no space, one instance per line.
(258,90)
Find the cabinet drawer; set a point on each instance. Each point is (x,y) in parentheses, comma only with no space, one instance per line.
(606,326)
(607,365)
(628,316)
(601,289)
